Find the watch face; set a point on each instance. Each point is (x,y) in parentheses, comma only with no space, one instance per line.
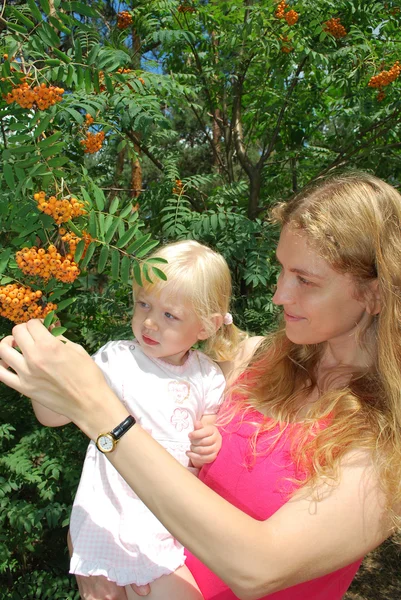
(105,443)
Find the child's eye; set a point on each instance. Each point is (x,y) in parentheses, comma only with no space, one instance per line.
(142,304)
(169,315)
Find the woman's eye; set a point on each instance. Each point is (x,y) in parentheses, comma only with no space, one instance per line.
(304,281)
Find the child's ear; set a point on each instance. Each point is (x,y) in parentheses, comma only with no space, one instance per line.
(373,298)
(214,322)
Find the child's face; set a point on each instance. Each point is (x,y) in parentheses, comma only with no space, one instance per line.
(165,326)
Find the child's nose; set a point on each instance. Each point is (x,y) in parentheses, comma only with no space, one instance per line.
(150,323)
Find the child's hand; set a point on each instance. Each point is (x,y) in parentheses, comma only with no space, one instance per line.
(205,444)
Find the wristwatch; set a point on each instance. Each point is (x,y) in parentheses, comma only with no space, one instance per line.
(106,442)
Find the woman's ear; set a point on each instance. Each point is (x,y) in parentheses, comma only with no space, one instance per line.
(373,298)
(214,322)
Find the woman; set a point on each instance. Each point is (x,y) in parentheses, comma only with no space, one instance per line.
(317,410)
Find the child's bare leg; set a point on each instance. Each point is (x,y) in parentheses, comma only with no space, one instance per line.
(180,585)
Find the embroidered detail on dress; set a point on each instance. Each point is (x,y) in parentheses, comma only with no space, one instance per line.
(179,391)
(180,419)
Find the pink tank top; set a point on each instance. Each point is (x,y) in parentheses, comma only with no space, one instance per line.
(259,488)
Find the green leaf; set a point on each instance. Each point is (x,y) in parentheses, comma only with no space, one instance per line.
(125,269)
(35,12)
(111,230)
(79,250)
(52,62)
(49,319)
(9,175)
(52,150)
(45,6)
(103,256)
(88,81)
(62,56)
(22,18)
(64,303)
(78,51)
(115,263)
(80,8)
(109,83)
(70,78)
(138,243)
(4,257)
(136,270)
(74,113)
(114,206)
(159,273)
(50,140)
(50,34)
(92,224)
(58,161)
(56,331)
(145,271)
(60,26)
(15,27)
(146,248)
(88,255)
(99,197)
(74,228)
(43,125)
(127,237)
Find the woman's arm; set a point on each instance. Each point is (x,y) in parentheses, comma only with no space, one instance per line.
(302,540)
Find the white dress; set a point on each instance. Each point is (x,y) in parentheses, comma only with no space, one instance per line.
(113,533)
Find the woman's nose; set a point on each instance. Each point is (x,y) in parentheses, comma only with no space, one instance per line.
(283,293)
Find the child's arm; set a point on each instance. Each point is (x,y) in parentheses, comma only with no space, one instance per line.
(205,441)
(48,417)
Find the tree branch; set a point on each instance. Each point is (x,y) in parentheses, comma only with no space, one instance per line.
(133,137)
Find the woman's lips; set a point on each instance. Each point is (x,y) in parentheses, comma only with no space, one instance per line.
(292,318)
(149,341)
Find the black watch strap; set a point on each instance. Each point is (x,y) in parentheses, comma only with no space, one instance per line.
(123,427)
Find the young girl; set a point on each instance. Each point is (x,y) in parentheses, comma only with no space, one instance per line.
(174,393)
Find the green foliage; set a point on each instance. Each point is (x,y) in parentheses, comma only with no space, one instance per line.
(207,122)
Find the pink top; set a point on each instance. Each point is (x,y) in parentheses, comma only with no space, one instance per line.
(259,489)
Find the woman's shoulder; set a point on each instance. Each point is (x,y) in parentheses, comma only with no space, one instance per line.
(246,349)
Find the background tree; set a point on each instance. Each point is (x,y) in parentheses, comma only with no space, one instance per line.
(123,125)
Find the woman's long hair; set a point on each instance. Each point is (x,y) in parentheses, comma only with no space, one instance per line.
(354,222)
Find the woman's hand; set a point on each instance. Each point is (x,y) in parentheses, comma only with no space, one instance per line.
(59,375)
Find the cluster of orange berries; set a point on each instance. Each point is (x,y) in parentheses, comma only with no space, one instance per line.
(177,189)
(385,77)
(291,16)
(124,19)
(88,120)
(19,303)
(124,71)
(93,142)
(61,210)
(334,27)
(183,8)
(42,96)
(39,263)
(72,240)
(286,46)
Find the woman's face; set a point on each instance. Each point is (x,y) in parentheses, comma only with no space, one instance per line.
(320,304)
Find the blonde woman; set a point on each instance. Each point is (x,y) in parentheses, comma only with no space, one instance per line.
(308,479)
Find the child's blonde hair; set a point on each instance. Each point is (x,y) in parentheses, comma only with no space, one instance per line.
(198,275)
